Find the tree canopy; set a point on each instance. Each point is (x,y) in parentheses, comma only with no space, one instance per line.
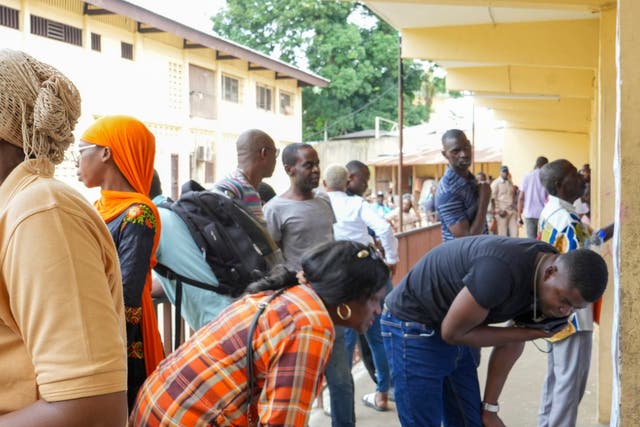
(341,41)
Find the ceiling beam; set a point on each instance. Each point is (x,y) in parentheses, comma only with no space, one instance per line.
(141,28)
(282,76)
(223,57)
(528,4)
(186,44)
(87,9)
(563,82)
(251,67)
(566,115)
(569,44)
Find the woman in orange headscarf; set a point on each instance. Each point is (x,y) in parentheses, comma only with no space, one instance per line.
(117,154)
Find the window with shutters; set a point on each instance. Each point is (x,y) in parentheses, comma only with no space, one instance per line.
(126,50)
(96,42)
(230,89)
(264,97)
(56,30)
(286,103)
(202,100)
(9,17)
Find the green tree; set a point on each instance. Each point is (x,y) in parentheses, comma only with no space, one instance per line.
(341,41)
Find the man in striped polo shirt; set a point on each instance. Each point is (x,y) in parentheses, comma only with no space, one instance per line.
(257,154)
(461,202)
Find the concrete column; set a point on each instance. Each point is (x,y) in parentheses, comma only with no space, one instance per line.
(626,338)
(603,195)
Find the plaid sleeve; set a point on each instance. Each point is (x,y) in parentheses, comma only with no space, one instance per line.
(295,377)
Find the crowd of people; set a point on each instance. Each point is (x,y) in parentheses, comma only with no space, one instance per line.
(78,328)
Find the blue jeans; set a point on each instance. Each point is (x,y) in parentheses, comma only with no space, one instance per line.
(376,344)
(435,383)
(340,383)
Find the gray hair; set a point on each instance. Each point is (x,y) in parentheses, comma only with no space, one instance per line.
(551,174)
(336,177)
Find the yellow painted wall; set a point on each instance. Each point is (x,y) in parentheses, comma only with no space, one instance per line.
(627,219)
(603,198)
(552,43)
(522,147)
(564,114)
(567,82)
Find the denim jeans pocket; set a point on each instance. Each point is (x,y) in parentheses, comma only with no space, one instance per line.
(416,330)
(386,324)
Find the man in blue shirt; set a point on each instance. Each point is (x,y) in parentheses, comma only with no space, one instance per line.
(461,202)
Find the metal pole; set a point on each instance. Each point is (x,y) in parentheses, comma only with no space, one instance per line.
(400,126)
(473,136)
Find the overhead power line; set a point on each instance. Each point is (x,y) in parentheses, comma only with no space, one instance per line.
(353,113)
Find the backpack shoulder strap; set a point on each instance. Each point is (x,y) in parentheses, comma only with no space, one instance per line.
(186,218)
(165,271)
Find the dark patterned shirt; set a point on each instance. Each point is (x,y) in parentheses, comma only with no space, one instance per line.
(456,200)
(237,186)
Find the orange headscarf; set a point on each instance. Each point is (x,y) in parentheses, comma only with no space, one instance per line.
(133,148)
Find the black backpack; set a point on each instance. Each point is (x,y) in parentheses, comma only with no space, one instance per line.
(237,247)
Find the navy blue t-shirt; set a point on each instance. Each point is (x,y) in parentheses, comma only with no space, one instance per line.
(498,271)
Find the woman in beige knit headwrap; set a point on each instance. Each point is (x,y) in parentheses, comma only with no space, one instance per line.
(62,343)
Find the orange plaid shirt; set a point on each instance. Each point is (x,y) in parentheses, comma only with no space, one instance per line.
(204,382)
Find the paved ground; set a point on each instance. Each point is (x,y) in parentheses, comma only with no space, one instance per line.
(519,404)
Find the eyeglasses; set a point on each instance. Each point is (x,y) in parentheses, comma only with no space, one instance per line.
(77,152)
(276,150)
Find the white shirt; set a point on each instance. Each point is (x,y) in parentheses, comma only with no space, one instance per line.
(353,216)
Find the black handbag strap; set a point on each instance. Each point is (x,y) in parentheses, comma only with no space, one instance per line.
(250,374)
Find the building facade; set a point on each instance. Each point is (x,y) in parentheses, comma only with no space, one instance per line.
(195,91)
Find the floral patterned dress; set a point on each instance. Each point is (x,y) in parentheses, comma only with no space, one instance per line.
(133,232)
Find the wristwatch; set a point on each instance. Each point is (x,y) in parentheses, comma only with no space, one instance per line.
(490,408)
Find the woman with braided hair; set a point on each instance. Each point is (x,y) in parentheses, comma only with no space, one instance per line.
(206,381)
(62,343)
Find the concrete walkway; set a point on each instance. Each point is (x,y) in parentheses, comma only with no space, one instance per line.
(519,403)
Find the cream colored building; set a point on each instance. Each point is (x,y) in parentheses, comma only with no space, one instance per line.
(196,92)
(563,74)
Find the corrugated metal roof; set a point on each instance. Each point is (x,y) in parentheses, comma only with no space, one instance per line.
(433,156)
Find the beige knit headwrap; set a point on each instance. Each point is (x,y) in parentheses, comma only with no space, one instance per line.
(39,106)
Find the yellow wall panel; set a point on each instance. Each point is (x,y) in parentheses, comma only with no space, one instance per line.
(552,43)
(522,147)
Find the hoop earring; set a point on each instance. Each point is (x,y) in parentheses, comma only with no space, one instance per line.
(344,316)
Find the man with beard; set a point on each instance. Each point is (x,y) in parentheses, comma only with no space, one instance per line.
(298,221)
